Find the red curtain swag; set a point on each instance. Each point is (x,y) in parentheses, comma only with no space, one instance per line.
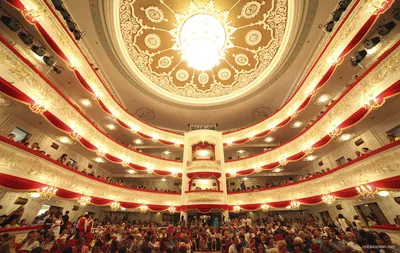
(204,145)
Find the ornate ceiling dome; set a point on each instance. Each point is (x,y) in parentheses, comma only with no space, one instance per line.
(200,52)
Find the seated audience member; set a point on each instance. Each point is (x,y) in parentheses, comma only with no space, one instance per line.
(326,246)
(366,150)
(391,138)
(35,146)
(358,153)
(30,242)
(13,224)
(48,242)
(334,240)
(352,242)
(7,243)
(63,158)
(11,137)
(14,215)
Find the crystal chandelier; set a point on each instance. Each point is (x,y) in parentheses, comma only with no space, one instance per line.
(265,207)
(328,199)
(236,209)
(115,205)
(150,170)
(101,151)
(174,173)
(335,132)
(143,208)
(365,191)
(294,204)
(172,209)
(372,104)
(125,162)
(84,200)
(45,193)
(283,162)
(38,108)
(257,168)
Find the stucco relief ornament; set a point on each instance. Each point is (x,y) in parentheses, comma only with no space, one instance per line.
(164,62)
(241,59)
(154,14)
(253,37)
(182,75)
(152,41)
(251,9)
(203,78)
(224,74)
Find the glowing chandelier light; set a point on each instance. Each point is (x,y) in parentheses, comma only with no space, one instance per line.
(283,162)
(258,168)
(365,191)
(265,207)
(45,193)
(328,199)
(38,108)
(335,132)
(236,209)
(172,209)
(115,205)
(294,204)
(143,208)
(372,104)
(125,162)
(84,200)
(202,35)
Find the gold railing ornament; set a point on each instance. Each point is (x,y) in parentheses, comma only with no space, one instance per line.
(294,204)
(236,209)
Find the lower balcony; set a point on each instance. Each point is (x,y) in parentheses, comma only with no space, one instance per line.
(204,196)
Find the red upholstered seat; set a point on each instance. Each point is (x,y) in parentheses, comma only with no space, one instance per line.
(279,237)
(315,247)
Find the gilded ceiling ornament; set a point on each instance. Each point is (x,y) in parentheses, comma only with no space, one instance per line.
(253,37)
(203,78)
(201,38)
(154,14)
(164,62)
(241,59)
(182,75)
(224,74)
(152,41)
(251,9)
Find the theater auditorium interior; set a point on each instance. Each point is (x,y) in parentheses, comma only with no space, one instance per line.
(182,126)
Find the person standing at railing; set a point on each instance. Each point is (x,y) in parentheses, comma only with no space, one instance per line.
(14,215)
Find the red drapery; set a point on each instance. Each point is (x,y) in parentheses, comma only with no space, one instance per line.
(204,145)
(203,175)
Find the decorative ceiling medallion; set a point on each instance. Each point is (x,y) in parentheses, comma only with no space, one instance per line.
(145,114)
(224,74)
(182,75)
(253,37)
(154,14)
(4,102)
(261,112)
(152,41)
(64,139)
(251,9)
(204,51)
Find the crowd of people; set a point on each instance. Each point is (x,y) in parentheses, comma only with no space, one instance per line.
(63,159)
(271,234)
(255,187)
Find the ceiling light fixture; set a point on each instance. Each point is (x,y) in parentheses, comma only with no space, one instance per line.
(167,152)
(138,141)
(310,158)
(383,193)
(277,170)
(203,152)
(202,35)
(297,124)
(163,179)
(64,139)
(346,137)
(111,127)
(99,160)
(241,151)
(131,171)
(86,102)
(323,99)
(245,178)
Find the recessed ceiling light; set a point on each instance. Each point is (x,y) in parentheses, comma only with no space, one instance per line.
(203,152)
(241,151)
(323,99)
(277,170)
(346,137)
(297,124)
(99,160)
(138,141)
(310,158)
(167,152)
(111,126)
(163,179)
(269,139)
(131,171)
(245,178)
(123,208)
(383,193)
(86,102)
